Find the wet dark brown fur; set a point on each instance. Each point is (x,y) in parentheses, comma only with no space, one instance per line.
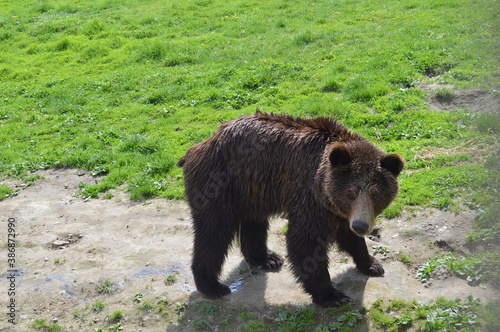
(329,182)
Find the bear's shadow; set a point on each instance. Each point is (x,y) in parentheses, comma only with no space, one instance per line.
(248,294)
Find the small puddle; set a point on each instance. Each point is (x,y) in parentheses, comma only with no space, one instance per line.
(237,285)
(146,272)
(187,288)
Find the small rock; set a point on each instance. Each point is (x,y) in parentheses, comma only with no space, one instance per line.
(440,273)
(59,243)
(46,259)
(268,319)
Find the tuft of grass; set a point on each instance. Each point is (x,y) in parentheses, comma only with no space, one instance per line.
(302,319)
(444,95)
(405,259)
(331,86)
(162,307)
(59,261)
(480,269)
(380,250)
(344,318)
(424,271)
(116,327)
(41,324)
(488,123)
(107,196)
(145,306)
(105,287)
(487,231)
(284,230)
(257,326)
(115,317)
(5,192)
(180,307)
(489,313)
(211,308)
(170,279)
(202,325)
(30,179)
(138,297)
(443,314)
(98,306)
(141,188)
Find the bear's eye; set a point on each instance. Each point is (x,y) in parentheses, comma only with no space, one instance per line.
(351,196)
(374,196)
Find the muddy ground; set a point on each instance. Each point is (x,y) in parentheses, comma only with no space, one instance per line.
(66,248)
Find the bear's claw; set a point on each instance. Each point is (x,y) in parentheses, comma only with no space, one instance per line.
(336,300)
(273,261)
(374,269)
(215,292)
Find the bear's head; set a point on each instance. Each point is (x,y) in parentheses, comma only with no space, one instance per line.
(359,182)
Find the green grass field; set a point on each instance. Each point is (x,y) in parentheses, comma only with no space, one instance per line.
(123,88)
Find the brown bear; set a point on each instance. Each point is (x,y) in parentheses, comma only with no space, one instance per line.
(329,182)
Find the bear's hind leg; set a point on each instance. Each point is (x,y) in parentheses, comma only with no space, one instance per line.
(355,246)
(253,241)
(213,236)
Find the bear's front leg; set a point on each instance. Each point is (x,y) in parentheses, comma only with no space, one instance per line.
(355,245)
(308,255)
(253,242)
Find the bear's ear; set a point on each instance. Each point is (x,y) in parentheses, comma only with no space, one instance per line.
(339,155)
(393,163)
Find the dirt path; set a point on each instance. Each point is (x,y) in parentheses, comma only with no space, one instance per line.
(135,246)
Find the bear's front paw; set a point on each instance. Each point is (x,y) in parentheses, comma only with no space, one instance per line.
(335,299)
(374,268)
(273,261)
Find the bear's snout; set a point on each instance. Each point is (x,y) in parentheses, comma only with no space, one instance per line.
(360,227)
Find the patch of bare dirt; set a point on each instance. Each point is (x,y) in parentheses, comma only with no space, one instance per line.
(65,247)
(476,100)
(477,151)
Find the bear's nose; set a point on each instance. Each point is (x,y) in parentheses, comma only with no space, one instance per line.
(360,227)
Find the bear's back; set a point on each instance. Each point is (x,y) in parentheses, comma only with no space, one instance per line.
(266,160)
